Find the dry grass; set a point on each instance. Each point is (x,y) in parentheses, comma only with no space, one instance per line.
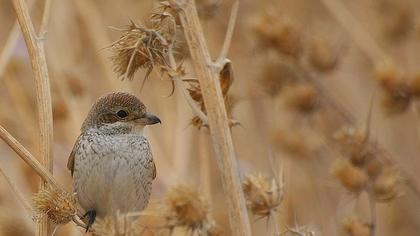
(300,78)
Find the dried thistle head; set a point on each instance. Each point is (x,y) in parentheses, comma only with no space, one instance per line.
(297,143)
(186,207)
(353,178)
(397,95)
(301,97)
(138,47)
(262,195)
(385,186)
(354,145)
(353,226)
(322,56)
(278,33)
(144,47)
(275,75)
(397,19)
(59,206)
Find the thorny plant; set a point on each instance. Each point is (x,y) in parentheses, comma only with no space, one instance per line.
(363,168)
(154,46)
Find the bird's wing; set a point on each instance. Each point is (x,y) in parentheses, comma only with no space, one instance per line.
(154,170)
(70,161)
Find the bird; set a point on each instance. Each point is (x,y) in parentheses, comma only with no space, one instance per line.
(111,162)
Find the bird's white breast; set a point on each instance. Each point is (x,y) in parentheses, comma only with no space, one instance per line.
(113,173)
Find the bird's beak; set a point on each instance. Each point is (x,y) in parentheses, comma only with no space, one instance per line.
(150,119)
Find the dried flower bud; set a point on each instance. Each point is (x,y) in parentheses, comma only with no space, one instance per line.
(386,185)
(59,206)
(374,167)
(354,145)
(396,103)
(351,177)
(388,76)
(186,207)
(141,47)
(302,98)
(278,33)
(262,195)
(294,143)
(60,111)
(353,226)
(322,56)
(275,75)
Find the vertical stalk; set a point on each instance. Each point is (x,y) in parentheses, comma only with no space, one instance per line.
(43,95)
(208,75)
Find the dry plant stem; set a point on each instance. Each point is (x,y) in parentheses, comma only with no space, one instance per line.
(18,193)
(45,19)
(10,44)
(361,37)
(43,94)
(228,36)
(218,120)
(178,83)
(28,158)
(372,208)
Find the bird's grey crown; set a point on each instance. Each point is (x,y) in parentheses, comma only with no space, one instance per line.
(103,109)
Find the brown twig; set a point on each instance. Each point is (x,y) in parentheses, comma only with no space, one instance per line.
(10,44)
(362,39)
(28,158)
(229,34)
(208,76)
(42,86)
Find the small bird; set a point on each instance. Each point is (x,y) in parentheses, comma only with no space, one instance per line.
(111,162)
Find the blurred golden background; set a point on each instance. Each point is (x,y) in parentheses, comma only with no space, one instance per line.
(317,84)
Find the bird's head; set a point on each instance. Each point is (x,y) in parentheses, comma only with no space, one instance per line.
(119,111)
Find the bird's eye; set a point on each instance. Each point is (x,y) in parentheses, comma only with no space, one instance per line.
(122,114)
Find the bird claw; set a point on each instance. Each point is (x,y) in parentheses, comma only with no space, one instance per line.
(90,215)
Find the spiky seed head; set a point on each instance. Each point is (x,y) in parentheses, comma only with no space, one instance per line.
(385,187)
(262,195)
(354,144)
(353,226)
(322,56)
(186,207)
(302,98)
(353,178)
(282,35)
(57,205)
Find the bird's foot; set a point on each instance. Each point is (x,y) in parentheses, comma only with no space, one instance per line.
(90,216)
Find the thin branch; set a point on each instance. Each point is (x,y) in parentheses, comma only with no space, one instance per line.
(229,34)
(178,82)
(18,193)
(360,36)
(45,19)
(372,208)
(28,158)
(10,44)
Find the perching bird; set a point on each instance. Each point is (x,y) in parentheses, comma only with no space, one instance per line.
(111,162)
